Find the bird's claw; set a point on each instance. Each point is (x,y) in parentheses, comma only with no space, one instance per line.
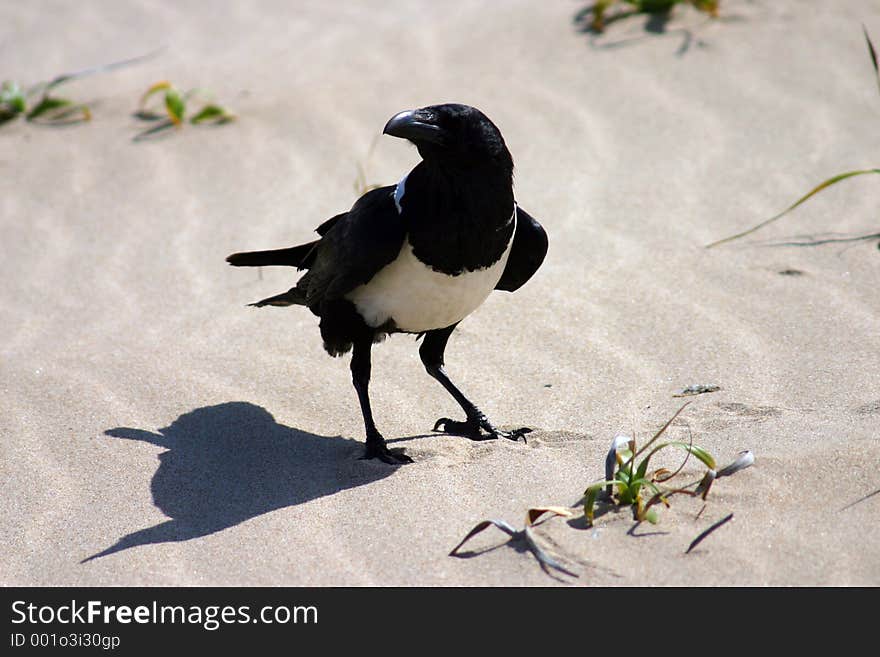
(376,450)
(442,423)
(468,429)
(472,427)
(513,435)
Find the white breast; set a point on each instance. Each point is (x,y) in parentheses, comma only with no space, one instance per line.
(417,298)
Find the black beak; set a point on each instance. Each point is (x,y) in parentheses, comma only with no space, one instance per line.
(416,126)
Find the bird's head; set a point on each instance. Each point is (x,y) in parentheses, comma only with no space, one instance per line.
(452,135)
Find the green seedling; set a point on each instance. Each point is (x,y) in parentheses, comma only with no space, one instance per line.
(601,16)
(38,103)
(525,535)
(823,185)
(12,101)
(628,481)
(46,108)
(174,108)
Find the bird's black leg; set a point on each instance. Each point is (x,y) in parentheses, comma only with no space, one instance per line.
(431,353)
(360,376)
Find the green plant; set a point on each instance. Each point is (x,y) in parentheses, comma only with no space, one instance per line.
(627,484)
(600,13)
(627,479)
(174,108)
(823,185)
(38,104)
(48,109)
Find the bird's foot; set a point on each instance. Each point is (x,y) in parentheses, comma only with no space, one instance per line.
(377,449)
(473,428)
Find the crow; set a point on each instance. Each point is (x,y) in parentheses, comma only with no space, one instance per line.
(417,257)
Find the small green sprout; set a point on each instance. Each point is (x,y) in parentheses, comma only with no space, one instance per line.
(601,16)
(823,185)
(173,112)
(12,101)
(628,480)
(47,108)
(525,535)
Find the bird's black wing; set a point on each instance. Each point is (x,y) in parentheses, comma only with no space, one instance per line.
(526,254)
(354,247)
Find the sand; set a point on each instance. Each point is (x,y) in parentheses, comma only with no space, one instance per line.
(155,431)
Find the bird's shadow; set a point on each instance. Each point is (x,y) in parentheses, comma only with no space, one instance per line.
(228,463)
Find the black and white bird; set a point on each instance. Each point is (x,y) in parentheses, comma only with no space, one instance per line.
(417,257)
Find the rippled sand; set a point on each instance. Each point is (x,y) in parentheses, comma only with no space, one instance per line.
(157,431)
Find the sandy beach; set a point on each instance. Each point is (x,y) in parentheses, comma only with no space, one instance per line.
(156,431)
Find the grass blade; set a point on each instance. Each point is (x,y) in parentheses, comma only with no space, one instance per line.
(47,104)
(590,497)
(642,470)
(705,484)
(164,85)
(818,188)
(45,87)
(664,475)
(480,526)
(175,106)
(743,460)
(536,512)
(704,456)
(213,113)
(662,429)
(873,54)
(58,111)
(66,77)
(663,496)
(599,9)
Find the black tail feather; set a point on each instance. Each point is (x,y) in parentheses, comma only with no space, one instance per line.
(300,257)
(292,297)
